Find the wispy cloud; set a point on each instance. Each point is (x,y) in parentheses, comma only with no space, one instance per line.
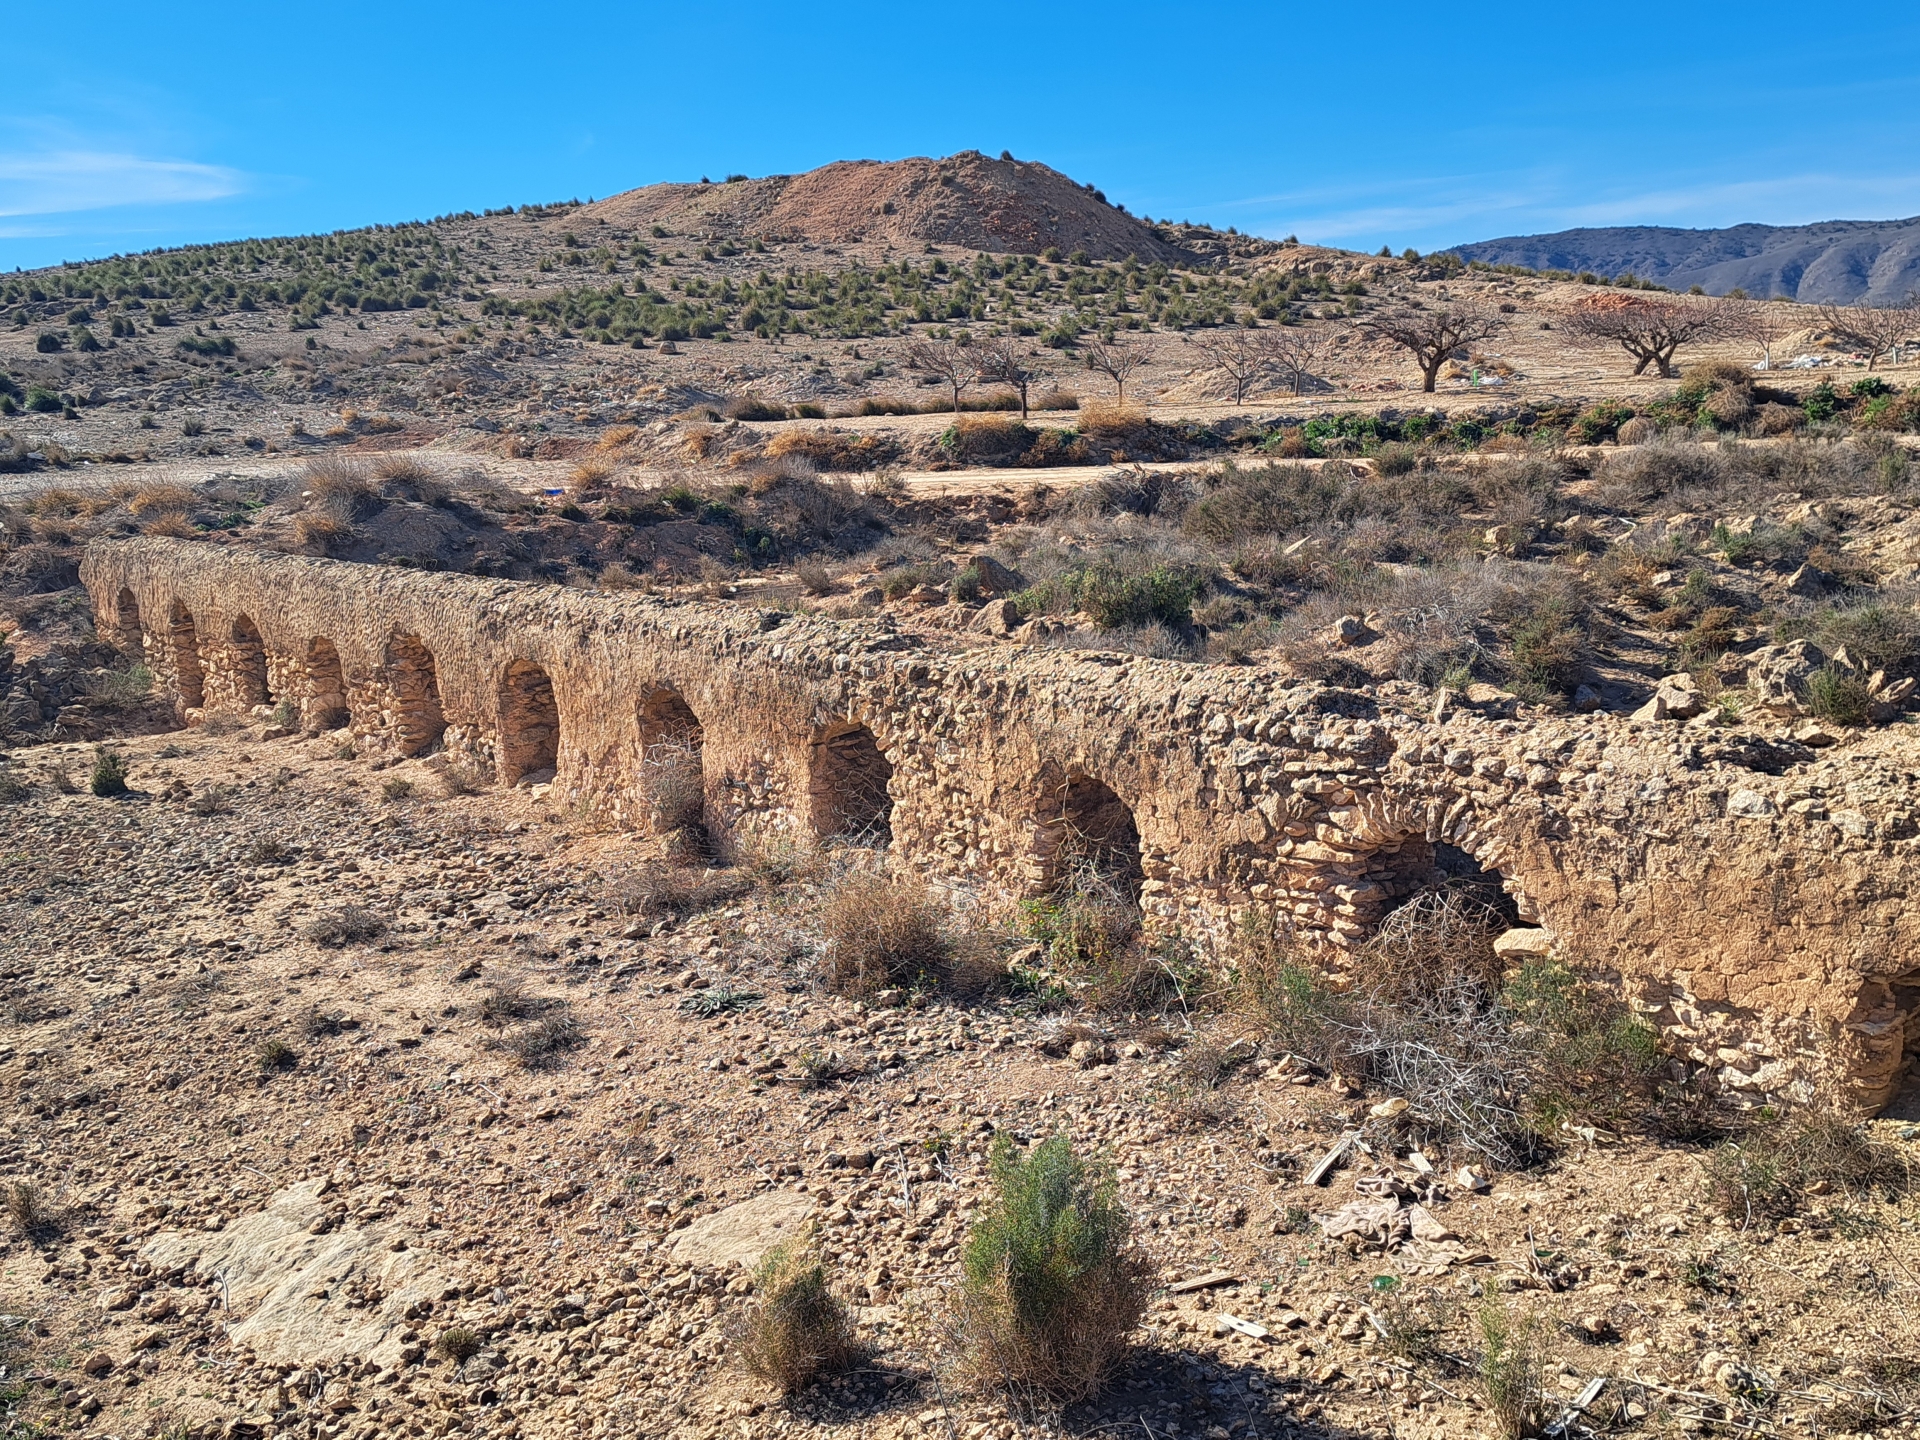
(62,182)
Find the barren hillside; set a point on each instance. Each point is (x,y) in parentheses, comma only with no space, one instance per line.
(1004,206)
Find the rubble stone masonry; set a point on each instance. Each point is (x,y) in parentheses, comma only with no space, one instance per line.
(1749,893)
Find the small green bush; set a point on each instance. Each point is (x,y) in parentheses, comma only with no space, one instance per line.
(1112,598)
(458,1344)
(1052,1286)
(796,1330)
(1838,696)
(109,773)
(1600,422)
(1510,1370)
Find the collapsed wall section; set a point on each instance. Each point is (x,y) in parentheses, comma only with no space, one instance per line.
(1767,937)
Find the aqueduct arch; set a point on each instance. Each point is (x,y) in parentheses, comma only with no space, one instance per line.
(130,635)
(324,704)
(412,681)
(245,664)
(1083,830)
(183,654)
(848,783)
(529,737)
(672,774)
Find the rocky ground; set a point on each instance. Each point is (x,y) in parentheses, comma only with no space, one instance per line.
(312,1063)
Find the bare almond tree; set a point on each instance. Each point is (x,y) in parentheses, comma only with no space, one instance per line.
(1294,349)
(1241,355)
(1651,328)
(952,364)
(1766,325)
(1433,333)
(1876,329)
(1001,363)
(1116,359)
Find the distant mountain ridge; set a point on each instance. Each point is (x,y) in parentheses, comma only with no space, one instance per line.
(1839,262)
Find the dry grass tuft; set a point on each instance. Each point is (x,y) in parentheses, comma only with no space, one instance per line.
(544,1043)
(160,499)
(1769,1172)
(1109,420)
(1053,1286)
(882,932)
(656,890)
(169,525)
(588,475)
(315,530)
(33,1212)
(349,925)
(796,1330)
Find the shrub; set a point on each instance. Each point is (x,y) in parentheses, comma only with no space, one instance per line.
(1599,422)
(1547,640)
(1090,928)
(588,475)
(1111,420)
(193,427)
(814,578)
(1113,598)
(542,1045)
(674,784)
(32,1210)
(1875,636)
(273,1056)
(752,407)
(1839,696)
(987,440)
(349,925)
(835,449)
(109,773)
(659,889)
(1764,1174)
(12,788)
(396,789)
(49,344)
(1395,460)
(1510,1368)
(458,1344)
(795,1329)
(1056,400)
(1052,1286)
(882,932)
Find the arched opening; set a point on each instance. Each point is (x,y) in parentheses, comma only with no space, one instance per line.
(1418,867)
(130,636)
(247,660)
(1087,835)
(326,686)
(529,723)
(671,775)
(415,687)
(848,778)
(183,644)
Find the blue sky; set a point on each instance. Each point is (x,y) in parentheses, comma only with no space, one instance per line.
(148,125)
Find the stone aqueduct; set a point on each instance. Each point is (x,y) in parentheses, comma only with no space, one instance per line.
(1773,951)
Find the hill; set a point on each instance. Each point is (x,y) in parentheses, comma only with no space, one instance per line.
(966,200)
(1845,262)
